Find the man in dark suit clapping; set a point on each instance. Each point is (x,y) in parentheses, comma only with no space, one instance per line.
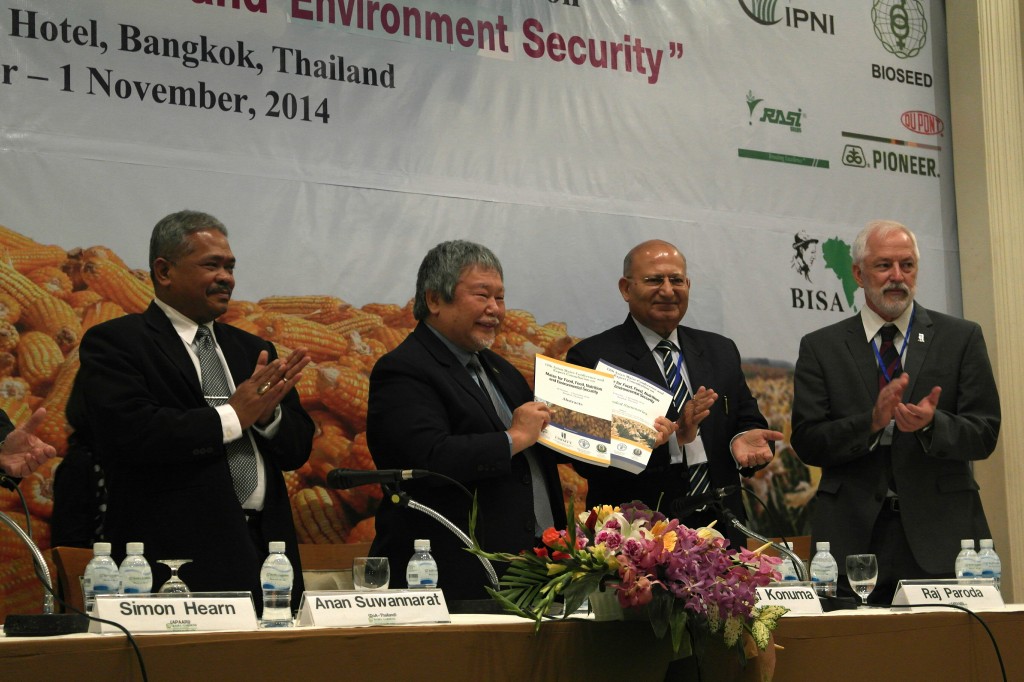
(894,404)
(703,371)
(192,420)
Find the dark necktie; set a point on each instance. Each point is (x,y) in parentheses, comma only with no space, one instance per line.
(241,455)
(543,517)
(891,362)
(890,356)
(700,483)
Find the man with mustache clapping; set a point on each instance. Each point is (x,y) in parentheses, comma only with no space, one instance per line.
(894,405)
(192,420)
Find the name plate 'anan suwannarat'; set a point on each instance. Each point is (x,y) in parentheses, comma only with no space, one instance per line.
(380,607)
(197,612)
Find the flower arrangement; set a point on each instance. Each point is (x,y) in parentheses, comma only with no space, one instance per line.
(679,575)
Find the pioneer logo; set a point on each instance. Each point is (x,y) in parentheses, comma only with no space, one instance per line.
(922,122)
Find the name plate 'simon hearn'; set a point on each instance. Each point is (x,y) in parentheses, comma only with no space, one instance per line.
(197,612)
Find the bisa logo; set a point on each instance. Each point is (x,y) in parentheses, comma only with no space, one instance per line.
(901,26)
(765,12)
(829,260)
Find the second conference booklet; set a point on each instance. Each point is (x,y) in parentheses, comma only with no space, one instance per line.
(602,416)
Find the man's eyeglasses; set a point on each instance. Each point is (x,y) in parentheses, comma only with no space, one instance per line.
(657,281)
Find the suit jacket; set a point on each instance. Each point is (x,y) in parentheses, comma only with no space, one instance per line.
(836,385)
(162,448)
(427,412)
(711,360)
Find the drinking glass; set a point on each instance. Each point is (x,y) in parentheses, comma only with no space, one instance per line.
(862,572)
(174,584)
(371,573)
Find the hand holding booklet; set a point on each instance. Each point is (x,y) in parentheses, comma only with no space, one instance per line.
(602,416)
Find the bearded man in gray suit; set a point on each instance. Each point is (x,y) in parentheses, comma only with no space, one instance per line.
(894,405)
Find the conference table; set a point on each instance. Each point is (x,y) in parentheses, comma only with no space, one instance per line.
(875,644)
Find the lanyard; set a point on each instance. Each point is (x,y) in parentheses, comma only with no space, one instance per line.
(903,349)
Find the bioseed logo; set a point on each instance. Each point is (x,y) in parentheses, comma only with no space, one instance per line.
(901,26)
(765,12)
(770,115)
(834,270)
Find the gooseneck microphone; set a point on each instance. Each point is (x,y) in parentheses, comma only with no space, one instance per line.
(353,478)
(683,506)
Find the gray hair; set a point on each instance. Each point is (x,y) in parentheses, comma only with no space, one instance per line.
(443,266)
(170,236)
(882,228)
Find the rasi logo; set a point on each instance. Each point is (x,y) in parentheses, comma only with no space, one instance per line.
(764,13)
(778,116)
(836,259)
(901,26)
(922,122)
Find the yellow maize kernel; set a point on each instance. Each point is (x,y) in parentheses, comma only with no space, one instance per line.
(356,320)
(317,519)
(316,308)
(345,392)
(39,360)
(18,286)
(238,309)
(116,283)
(15,240)
(100,312)
(16,409)
(79,300)
(52,280)
(56,318)
(519,322)
(8,364)
(55,428)
(30,258)
(10,309)
(295,332)
(9,337)
(391,337)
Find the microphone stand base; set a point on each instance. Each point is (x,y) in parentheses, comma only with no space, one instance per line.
(45,625)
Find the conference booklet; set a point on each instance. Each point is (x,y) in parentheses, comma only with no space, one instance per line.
(603,416)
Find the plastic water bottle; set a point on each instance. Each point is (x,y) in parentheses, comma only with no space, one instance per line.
(991,566)
(786,568)
(824,570)
(136,575)
(967,563)
(100,577)
(277,577)
(422,569)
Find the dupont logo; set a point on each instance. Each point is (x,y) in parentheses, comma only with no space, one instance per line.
(922,122)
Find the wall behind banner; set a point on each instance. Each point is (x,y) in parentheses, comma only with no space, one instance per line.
(339,148)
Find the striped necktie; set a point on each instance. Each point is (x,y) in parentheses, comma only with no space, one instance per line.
(241,455)
(700,482)
(890,356)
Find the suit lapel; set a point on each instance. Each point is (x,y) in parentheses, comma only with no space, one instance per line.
(235,355)
(921,332)
(862,355)
(159,326)
(459,373)
(645,361)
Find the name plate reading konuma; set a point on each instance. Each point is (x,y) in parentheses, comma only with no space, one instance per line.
(798,597)
(978,594)
(378,607)
(192,612)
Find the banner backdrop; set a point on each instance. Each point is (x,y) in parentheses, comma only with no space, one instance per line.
(340,139)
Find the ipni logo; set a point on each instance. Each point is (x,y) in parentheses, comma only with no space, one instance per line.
(922,122)
(764,12)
